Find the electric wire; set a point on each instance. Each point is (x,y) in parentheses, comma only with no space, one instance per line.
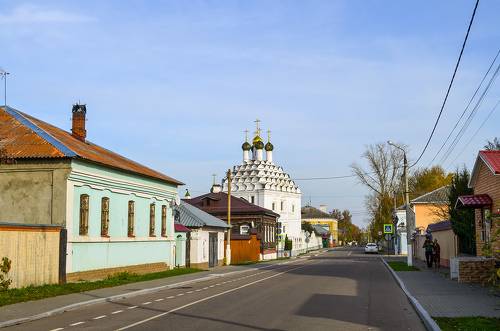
(466,108)
(449,86)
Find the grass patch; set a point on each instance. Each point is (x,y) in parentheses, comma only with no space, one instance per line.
(30,293)
(468,323)
(401,266)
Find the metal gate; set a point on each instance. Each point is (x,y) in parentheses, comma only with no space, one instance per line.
(212,250)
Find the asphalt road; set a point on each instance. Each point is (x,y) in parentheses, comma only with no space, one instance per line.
(338,290)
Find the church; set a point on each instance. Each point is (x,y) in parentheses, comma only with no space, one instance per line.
(264,183)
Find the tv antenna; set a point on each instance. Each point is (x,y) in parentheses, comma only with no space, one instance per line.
(4,75)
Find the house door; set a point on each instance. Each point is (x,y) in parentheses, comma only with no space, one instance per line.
(188,249)
(212,250)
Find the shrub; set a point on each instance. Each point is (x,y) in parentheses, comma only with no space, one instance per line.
(4,271)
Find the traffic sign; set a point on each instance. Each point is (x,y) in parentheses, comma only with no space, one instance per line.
(388,228)
(380,233)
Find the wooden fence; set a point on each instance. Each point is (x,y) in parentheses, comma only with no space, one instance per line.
(37,253)
(244,248)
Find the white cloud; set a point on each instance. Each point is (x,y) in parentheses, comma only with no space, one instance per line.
(27,14)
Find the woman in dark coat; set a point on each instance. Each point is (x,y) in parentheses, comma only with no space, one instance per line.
(436,254)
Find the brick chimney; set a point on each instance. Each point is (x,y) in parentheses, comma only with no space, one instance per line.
(78,122)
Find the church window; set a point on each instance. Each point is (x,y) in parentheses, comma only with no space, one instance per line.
(282,205)
(293,208)
(163,221)
(105,217)
(152,220)
(273,206)
(131,217)
(252,199)
(84,214)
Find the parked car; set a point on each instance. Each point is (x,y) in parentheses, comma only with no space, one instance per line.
(371,248)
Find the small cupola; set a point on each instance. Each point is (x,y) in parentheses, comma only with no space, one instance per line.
(78,119)
(269,147)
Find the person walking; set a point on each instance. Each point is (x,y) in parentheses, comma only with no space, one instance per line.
(436,254)
(428,246)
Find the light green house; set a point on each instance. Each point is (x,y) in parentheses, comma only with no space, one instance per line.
(117,213)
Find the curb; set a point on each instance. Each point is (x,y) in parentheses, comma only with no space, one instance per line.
(429,323)
(120,296)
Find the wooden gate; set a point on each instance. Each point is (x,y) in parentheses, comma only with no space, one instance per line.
(212,250)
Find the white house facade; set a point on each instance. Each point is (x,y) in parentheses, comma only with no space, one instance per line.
(264,183)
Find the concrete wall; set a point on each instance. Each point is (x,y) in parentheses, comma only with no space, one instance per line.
(448,243)
(199,246)
(180,249)
(34,192)
(92,251)
(34,252)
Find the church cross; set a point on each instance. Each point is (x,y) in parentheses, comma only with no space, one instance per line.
(257,132)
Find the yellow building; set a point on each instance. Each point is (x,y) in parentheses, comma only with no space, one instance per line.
(314,216)
(431,207)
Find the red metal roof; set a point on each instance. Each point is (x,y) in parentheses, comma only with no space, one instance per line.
(492,159)
(474,201)
(180,228)
(24,136)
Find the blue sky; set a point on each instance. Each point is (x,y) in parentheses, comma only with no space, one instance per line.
(173,84)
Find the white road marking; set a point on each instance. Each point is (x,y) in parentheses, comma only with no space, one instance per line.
(58,329)
(77,323)
(217,284)
(180,294)
(99,317)
(132,307)
(198,290)
(207,298)
(158,300)
(170,297)
(146,303)
(117,312)
(349,254)
(205,288)
(212,286)
(189,292)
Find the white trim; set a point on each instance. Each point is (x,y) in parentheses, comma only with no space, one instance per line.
(70,192)
(85,239)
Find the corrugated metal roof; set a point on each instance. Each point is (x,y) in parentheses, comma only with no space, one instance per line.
(320,230)
(439,196)
(474,201)
(24,136)
(439,226)
(312,212)
(191,216)
(492,159)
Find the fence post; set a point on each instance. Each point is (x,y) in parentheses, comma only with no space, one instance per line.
(63,245)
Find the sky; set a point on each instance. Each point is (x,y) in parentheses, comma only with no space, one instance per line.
(173,84)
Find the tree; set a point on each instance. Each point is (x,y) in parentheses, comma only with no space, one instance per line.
(347,230)
(383,178)
(426,180)
(462,220)
(306,226)
(493,145)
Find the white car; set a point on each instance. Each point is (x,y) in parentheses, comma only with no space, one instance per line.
(371,248)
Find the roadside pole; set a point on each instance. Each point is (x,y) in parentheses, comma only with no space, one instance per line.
(407,205)
(228,245)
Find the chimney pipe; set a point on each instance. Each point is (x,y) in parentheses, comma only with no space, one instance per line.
(78,122)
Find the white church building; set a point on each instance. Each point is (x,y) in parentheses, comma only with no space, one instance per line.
(264,183)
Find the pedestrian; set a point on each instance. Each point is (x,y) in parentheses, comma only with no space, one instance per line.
(436,254)
(428,246)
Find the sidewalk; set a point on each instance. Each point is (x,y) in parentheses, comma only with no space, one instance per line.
(32,308)
(443,297)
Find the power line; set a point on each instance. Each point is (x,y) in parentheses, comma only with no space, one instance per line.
(450,85)
(466,108)
(477,131)
(470,117)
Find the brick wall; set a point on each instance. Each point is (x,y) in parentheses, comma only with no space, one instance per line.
(487,183)
(475,271)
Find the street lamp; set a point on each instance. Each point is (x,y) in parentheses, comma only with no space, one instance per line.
(407,203)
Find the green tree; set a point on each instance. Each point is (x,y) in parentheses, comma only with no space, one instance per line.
(462,220)
(427,179)
(306,226)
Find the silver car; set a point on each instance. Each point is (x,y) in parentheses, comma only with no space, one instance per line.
(371,248)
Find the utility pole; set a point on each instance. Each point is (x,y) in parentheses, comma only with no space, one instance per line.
(228,245)
(407,205)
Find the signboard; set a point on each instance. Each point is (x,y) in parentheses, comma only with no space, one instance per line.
(388,228)
(380,233)
(388,237)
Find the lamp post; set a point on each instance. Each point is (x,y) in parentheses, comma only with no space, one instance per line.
(409,226)
(228,245)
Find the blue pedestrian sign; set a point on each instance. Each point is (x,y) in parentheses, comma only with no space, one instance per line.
(388,228)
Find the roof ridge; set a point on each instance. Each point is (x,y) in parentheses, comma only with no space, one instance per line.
(190,213)
(57,144)
(428,193)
